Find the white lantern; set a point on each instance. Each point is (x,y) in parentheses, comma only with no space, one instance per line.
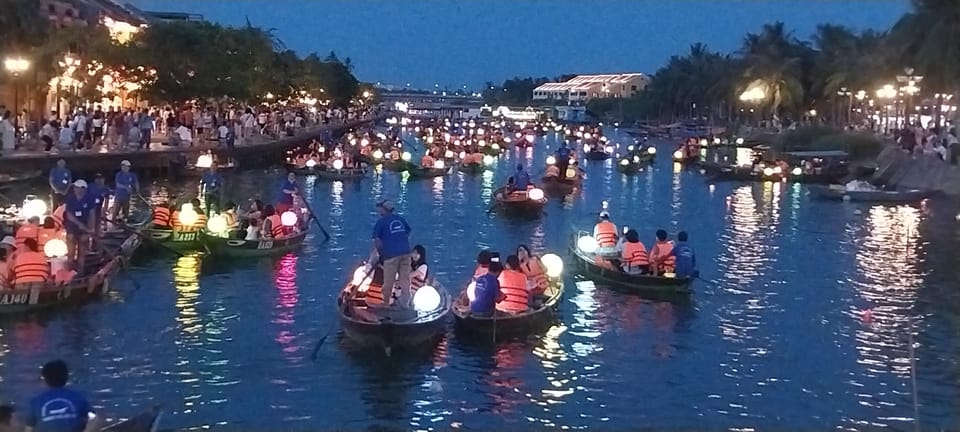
(463,155)
(630,147)
(768,171)
(587,148)
(288,219)
(678,155)
(448,154)
(438,164)
(587,244)
(716,140)
(33,207)
(472,291)
(204,161)
(311,163)
(553,264)
(586,135)
(377,154)
(571,172)
(495,146)
(608,149)
(535,194)
(739,141)
(55,248)
(338,164)
(651,150)
(624,162)
(530,138)
(481,143)
(406,156)
(636,159)
(430,140)
(551,160)
(797,171)
(426,299)
(358,276)
(217,224)
(188,216)
(703,142)
(488,160)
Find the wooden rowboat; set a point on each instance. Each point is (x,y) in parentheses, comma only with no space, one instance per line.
(341,174)
(390,328)
(535,319)
(554,186)
(177,240)
(425,173)
(840,193)
(734,173)
(148,421)
(519,203)
(607,274)
(234,247)
(471,168)
(594,155)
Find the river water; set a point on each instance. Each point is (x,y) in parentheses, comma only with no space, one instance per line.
(803,320)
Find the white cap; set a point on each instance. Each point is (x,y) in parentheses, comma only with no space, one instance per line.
(125,163)
(80,183)
(8,240)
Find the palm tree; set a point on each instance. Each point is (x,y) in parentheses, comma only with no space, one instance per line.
(775,61)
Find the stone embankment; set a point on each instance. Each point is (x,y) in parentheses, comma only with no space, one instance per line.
(927,172)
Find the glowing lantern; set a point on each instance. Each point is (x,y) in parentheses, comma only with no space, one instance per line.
(587,148)
(358,276)
(551,160)
(463,155)
(768,171)
(55,248)
(530,138)
(338,164)
(495,146)
(716,140)
(472,291)
(429,140)
(636,159)
(353,142)
(217,224)
(571,172)
(33,207)
(703,142)
(586,135)
(624,162)
(204,161)
(677,155)
(377,154)
(322,149)
(739,141)
(448,154)
(311,163)
(535,194)
(426,299)
(587,244)
(797,171)
(365,142)
(288,219)
(188,216)
(480,131)
(488,160)
(438,164)
(553,264)
(519,135)
(406,156)
(630,148)
(481,143)
(651,150)
(609,149)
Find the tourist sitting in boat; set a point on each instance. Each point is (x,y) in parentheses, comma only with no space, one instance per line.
(661,256)
(633,256)
(552,172)
(272,225)
(8,251)
(201,222)
(30,229)
(254,214)
(487,291)
(513,285)
(606,234)
(531,266)
(162,216)
(483,263)
(563,159)
(521,179)
(419,271)
(427,161)
(30,265)
(686,260)
(230,215)
(49,231)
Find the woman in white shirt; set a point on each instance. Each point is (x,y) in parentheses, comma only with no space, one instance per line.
(419,270)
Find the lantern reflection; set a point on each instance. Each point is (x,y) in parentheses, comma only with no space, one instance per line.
(186,279)
(287,299)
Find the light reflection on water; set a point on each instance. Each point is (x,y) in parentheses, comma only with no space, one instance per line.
(775,336)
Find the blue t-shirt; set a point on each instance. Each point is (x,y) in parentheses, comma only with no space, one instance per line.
(79,208)
(58,410)
(60,179)
(686,260)
(564,154)
(125,182)
(212,181)
(394,235)
(522,179)
(486,293)
(99,193)
(286,198)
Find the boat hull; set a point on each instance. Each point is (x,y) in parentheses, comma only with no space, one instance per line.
(343,174)
(238,248)
(554,186)
(589,268)
(507,205)
(181,241)
(471,168)
(426,173)
(597,156)
(390,328)
(506,325)
(890,197)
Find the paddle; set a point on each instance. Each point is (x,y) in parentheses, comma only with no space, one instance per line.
(313,355)
(128,229)
(313,216)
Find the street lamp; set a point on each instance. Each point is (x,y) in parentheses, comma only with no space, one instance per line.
(886,92)
(910,87)
(69,64)
(843,92)
(16,66)
(753,95)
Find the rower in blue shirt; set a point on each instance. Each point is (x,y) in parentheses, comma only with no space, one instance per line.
(287,190)
(212,185)
(60,179)
(126,184)
(521,179)
(563,159)
(686,259)
(487,291)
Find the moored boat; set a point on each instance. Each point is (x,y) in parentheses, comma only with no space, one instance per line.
(471,168)
(528,203)
(555,186)
(392,327)
(423,173)
(341,174)
(719,172)
(231,246)
(599,269)
(538,316)
(841,193)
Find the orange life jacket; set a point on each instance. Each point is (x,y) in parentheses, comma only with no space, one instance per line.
(25,231)
(661,252)
(513,285)
(58,215)
(30,266)
(4,273)
(418,279)
(232,222)
(535,272)
(276,226)
(606,234)
(201,221)
(635,254)
(374,293)
(161,217)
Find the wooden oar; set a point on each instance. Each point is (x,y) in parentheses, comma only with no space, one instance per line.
(313,356)
(128,229)
(313,216)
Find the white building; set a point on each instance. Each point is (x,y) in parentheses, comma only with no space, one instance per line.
(582,88)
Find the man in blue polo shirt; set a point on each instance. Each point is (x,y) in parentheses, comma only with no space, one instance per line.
(487,291)
(391,238)
(686,259)
(60,179)
(126,184)
(78,219)
(58,409)
(212,185)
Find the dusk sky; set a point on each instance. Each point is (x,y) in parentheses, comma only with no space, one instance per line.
(467,42)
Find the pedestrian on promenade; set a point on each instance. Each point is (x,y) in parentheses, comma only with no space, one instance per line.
(67,137)
(145,123)
(60,179)
(59,408)
(391,239)
(8,133)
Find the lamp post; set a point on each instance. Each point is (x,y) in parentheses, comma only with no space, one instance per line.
(886,92)
(753,96)
(69,64)
(843,92)
(910,86)
(860,95)
(16,66)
